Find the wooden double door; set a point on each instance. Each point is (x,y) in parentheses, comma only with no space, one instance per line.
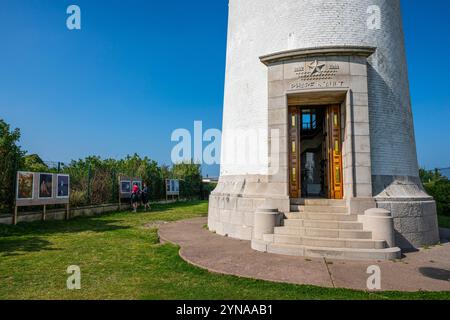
(317,128)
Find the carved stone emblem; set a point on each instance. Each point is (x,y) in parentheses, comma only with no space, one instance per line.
(316,68)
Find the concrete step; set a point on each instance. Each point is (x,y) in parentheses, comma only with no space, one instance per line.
(327,209)
(327,216)
(325,224)
(324,233)
(269,238)
(354,254)
(318,202)
(328,242)
(329,253)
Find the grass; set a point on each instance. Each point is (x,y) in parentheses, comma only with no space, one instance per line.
(120,258)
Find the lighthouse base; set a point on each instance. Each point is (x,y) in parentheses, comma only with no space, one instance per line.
(414,211)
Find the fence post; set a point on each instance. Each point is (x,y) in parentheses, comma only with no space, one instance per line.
(113,187)
(89,184)
(14,202)
(15,215)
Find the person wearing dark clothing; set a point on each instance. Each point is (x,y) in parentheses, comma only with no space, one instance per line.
(145,197)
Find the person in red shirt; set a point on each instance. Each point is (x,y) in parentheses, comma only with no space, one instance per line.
(135,197)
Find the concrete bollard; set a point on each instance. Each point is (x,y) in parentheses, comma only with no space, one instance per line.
(266,218)
(381,223)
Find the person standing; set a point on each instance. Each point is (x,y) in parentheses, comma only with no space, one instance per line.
(135,197)
(145,197)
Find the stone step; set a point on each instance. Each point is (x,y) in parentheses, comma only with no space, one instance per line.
(328,242)
(324,216)
(319,202)
(324,224)
(328,209)
(325,252)
(324,233)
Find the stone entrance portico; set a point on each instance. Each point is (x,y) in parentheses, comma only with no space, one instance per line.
(294,79)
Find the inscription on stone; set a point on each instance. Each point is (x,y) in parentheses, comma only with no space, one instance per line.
(316,84)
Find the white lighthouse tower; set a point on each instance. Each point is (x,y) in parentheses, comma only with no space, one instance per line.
(317,124)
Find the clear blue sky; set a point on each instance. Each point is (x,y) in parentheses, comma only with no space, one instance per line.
(139,69)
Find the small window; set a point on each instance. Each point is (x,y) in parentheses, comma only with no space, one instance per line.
(309,120)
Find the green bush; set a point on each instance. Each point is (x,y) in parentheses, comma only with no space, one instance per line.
(437,186)
(440,191)
(34,163)
(189,174)
(207,189)
(78,198)
(10,161)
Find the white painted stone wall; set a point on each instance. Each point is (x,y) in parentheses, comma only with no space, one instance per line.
(258,28)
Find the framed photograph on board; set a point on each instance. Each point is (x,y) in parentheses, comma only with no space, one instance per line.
(125,186)
(45,186)
(63,183)
(25,186)
(172,187)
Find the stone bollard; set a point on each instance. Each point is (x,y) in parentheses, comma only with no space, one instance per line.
(381,223)
(266,218)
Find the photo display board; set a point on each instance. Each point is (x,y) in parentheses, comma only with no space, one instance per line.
(172,187)
(126,186)
(38,188)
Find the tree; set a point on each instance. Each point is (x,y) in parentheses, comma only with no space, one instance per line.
(428,176)
(10,162)
(440,191)
(34,163)
(190,178)
(437,186)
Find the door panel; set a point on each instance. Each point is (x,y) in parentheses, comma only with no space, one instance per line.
(332,149)
(335,153)
(294,153)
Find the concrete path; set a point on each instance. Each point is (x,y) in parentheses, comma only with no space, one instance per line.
(427,270)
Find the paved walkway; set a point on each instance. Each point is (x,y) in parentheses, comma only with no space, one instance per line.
(427,270)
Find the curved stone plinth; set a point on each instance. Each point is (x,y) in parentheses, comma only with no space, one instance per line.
(380,224)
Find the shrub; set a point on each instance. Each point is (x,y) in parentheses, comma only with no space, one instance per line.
(189,174)
(440,191)
(78,198)
(10,161)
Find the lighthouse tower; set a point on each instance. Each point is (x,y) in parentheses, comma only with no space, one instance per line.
(317,124)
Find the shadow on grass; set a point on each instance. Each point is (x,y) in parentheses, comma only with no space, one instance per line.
(13,247)
(100,223)
(76,225)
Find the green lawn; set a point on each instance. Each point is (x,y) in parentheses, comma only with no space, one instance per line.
(120,258)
